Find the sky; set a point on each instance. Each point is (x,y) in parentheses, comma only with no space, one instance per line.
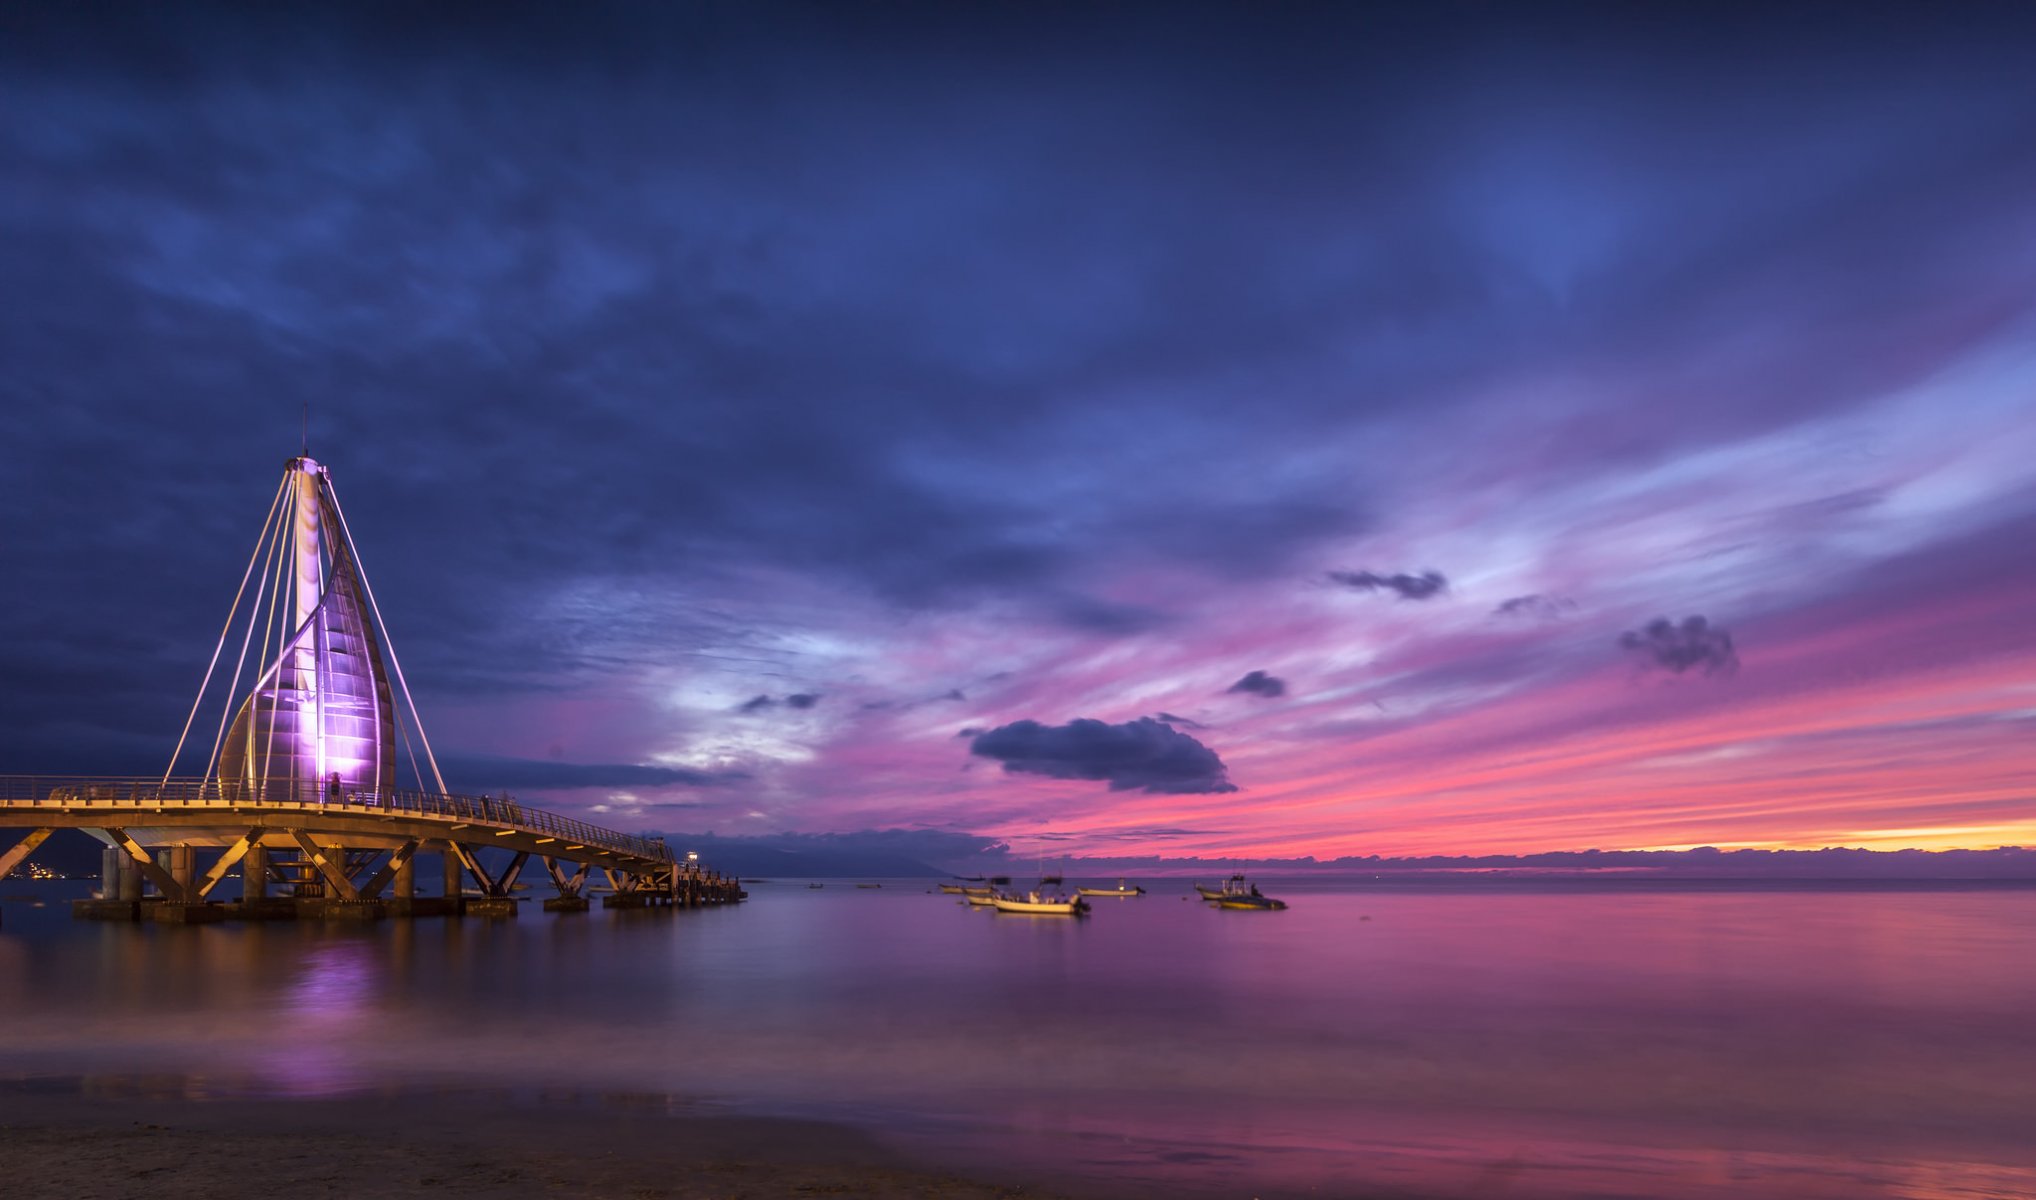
(1102,430)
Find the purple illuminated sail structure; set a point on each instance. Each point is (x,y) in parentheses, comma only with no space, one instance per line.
(316,722)
(319,719)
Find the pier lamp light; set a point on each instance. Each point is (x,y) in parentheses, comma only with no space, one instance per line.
(692,856)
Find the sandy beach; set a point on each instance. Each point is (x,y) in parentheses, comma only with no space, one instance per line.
(81,1147)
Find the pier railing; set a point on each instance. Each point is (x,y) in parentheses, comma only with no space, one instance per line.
(66,792)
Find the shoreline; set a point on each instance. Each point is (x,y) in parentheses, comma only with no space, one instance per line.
(67,1141)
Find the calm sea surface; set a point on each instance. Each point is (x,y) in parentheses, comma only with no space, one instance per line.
(1472,1040)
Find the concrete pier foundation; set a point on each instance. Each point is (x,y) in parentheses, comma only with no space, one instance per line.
(354,910)
(264,908)
(566,904)
(171,912)
(105,910)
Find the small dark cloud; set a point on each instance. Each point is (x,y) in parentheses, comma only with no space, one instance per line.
(1258,683)
(1679,647)
(1425,586)
(954,694)
(969,731)
(800,700)
(1189,722)
(1533,605)
(1144,754)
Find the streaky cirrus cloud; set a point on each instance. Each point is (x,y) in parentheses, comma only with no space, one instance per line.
(1259,683)
(536,773)
(1425,586)
(1683,646)
(1142,755)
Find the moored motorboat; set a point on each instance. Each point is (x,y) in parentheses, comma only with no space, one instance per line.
(1043,903)
(982,899)
(1233,886)
(1119,890)
(953,889)
(1252,901)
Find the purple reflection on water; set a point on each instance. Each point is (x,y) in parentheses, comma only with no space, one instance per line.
(1486,1040)
(327,1010)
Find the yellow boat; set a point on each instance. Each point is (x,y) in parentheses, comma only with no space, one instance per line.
(1042,903)
(1119,890)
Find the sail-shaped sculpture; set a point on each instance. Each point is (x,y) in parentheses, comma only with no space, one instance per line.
(318,723)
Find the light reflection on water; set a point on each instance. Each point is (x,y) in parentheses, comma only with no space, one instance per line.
(1480,1041)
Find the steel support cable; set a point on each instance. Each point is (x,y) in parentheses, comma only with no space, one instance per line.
(240,661)
(354,555)
(273,533)
(263,667)
(219,647)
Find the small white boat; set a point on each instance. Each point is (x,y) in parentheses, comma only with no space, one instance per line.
(982,899)
(953,889)
(1046,903)
(1119,890)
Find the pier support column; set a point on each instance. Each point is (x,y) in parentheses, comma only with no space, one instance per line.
(183,871)
(406,880)
(254,874)
(130,879)
(455,880)
(110,861)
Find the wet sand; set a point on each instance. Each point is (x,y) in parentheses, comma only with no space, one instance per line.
(79,1147)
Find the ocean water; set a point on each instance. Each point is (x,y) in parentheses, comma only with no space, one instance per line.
(1468,1039)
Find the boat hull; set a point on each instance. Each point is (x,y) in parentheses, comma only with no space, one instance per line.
(1044,908)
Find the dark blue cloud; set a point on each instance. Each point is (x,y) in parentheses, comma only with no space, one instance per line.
(1425,586)
(1144,755)
(1258,683)
(1693,643)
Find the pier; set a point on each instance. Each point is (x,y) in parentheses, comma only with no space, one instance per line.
(299,792)
(168,848)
